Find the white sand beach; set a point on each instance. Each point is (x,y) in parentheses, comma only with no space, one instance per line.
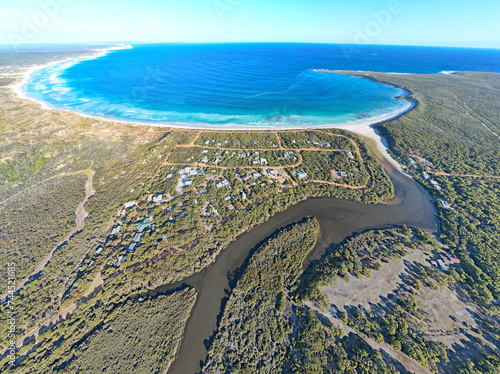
(93,54)
(363,127)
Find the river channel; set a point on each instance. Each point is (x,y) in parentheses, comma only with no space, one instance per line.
(338,218)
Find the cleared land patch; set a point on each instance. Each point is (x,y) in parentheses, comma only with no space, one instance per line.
(370,290)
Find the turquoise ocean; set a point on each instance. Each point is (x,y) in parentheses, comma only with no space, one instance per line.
(243,85)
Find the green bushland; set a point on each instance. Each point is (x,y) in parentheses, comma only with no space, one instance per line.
(455,126)
(392,320)
(238,140)
(457,142)
(325,166)
(43,298)
(262,330)
(139,335)
(440,130)
(320,348)
(315,139)
(34,222)
(255,322)
(193,241)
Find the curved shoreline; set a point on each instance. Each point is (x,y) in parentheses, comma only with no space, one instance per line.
(232,127)
(364,127)
(26,75)
(340,218)
(18,90)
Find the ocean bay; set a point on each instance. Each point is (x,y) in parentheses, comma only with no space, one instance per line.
(234,86)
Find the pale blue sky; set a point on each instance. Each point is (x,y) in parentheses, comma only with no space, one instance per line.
(407,22)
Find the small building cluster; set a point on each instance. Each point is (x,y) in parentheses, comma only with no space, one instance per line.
(223,183)
(444,260)
(445,204)
(137,233)
(435,185)
(318,144)
(301,175)
(135,225)
(185,174)
(426,175)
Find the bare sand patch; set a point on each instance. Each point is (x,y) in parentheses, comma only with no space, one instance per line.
(449,320)
(450,313)
(366,291)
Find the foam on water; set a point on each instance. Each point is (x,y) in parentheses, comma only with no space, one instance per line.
(253,85)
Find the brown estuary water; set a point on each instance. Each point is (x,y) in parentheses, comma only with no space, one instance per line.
(338,218)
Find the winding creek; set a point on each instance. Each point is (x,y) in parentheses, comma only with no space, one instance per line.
(338,218)
(412,206)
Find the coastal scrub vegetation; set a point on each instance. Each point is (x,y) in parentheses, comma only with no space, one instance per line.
(144,225)
(238,140)
(392,320)
(186,214)
(262,330)
(450,144)
(32,223)
(256,316)
(358,256)
(280,319)
(455,124)
(138,335)
(321,348)
(418,317)
(153,222)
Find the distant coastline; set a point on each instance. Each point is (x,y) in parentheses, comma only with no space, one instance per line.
(350,125)
(342,112)
(363,127)
(96,53)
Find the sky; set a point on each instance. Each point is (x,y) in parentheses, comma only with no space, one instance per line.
(456,23)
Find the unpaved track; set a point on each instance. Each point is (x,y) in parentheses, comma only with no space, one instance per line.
(80,216)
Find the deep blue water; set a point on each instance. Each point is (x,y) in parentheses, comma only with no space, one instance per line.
(244,84)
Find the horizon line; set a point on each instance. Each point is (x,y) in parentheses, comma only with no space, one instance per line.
(359,45)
